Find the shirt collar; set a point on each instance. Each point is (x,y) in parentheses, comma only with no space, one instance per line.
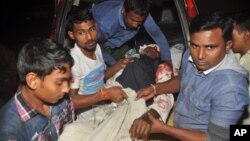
(204,72)
(25,110)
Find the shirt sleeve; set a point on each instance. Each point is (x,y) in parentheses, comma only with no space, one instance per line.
(228,106)
(75,74)
(157,35)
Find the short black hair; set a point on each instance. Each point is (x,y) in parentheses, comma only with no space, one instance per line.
(140,7)
(242,20)
(42,56)
(209,21)
(78,15)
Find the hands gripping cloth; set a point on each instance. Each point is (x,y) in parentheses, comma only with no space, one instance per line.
(116,126)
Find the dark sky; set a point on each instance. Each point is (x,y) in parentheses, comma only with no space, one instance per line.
(24,19)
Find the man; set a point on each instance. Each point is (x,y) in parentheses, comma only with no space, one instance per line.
(89,70)
(118,22)
(212,86)
(40,109)
(241,46)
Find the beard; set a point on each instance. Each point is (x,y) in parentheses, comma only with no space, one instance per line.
(90,46)
(90,49)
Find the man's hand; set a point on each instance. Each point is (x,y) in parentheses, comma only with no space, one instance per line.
(140,128)
(146,93)
(124,62)
(116,94)
(156,124)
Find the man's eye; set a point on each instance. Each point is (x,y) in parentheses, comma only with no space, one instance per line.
(194,46)
(92,29)
(58,83)
(80,33)
(209,47)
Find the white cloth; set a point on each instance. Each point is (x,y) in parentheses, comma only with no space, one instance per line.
(115,127)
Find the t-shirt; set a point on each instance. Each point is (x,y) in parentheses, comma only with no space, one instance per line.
(87,74)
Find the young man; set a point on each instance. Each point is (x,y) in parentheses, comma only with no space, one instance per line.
(241,45)
(89,70)
(40,109)
(212,86)
(119,21)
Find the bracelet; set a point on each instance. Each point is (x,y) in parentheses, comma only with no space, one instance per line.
(104,94)
(153,86)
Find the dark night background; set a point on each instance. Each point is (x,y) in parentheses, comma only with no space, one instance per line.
(20,21)
(23,19)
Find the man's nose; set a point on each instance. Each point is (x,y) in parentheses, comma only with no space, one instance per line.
(89,35)
(65,88)
(201,53)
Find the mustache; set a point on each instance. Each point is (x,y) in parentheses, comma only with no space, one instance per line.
(92,42)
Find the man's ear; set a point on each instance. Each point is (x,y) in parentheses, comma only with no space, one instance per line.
(246,35)
(32,80)
(229,45)
(70,33)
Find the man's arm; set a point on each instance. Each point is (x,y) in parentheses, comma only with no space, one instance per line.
(170,86)
(179,133)
(81,101)
(110,71)
(141,126)
(115,94)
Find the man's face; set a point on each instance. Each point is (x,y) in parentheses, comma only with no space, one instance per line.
(238,40)
(85,35)
(132,20)
(54,86)
(208,48)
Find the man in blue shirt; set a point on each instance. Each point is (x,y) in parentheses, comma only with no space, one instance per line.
(119,21)
(212,86)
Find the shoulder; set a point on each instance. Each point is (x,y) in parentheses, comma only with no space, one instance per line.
(98,48)
(245,61)
(76,55)
(104,10)
(10,121)
(106,5)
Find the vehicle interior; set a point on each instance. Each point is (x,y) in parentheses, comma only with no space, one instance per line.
(164,13)
(166,16)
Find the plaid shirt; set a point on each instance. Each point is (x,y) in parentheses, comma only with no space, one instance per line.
(30,124)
